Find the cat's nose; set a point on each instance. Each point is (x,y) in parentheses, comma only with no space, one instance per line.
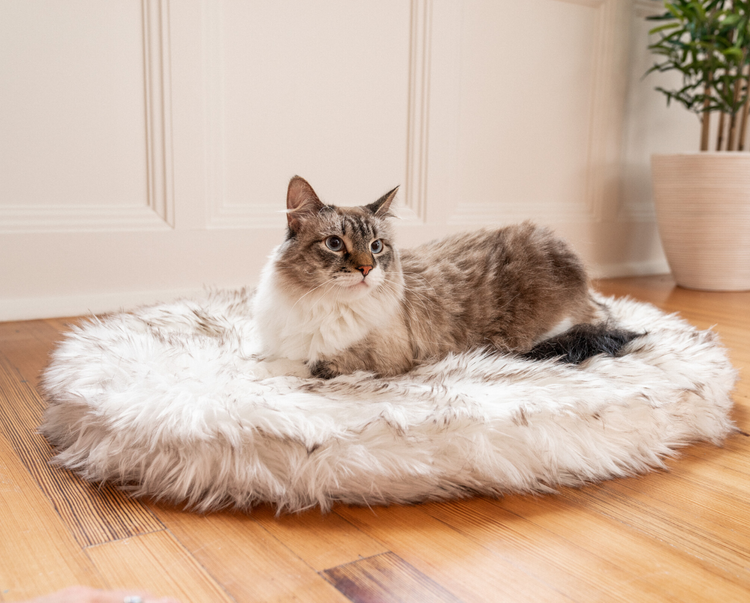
(364,269)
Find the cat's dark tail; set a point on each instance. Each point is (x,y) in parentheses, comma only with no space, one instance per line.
(581,342)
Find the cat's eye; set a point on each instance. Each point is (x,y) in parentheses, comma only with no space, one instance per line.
(376,246)
(334,243)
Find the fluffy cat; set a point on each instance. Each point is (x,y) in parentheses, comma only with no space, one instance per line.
(338,294)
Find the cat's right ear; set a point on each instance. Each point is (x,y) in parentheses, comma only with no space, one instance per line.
(301,203)
(382,206)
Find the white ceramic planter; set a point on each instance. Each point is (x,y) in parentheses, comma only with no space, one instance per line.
(703,211)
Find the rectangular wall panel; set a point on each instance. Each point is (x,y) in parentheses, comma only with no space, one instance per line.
(315,89)
(81,126)
(526,108)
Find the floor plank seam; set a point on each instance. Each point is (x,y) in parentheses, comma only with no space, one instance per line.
(189,553)
(340,565)
(94,545)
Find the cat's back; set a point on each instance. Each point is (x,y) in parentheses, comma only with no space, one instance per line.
(500,253)
(514,283)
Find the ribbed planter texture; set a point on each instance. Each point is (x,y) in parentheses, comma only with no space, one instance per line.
(703,212)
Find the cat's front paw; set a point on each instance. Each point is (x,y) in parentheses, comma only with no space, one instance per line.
(324,369)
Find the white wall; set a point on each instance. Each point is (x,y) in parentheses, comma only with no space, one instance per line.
(145,146)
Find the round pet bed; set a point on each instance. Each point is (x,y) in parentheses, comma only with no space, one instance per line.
(172,401)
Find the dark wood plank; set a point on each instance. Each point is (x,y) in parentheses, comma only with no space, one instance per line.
(386,577)
(93,514)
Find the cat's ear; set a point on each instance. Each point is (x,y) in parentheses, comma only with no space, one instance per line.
(301,202)
(381,207)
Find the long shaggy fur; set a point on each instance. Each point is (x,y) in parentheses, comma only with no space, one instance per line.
(170,402)
(386,310)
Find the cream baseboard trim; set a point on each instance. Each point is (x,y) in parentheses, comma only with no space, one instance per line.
(32,308)
(623,269)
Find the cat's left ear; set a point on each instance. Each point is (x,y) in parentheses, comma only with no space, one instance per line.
(381,207)
(301,203)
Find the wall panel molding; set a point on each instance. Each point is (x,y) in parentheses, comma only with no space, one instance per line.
(608,59)
(220,212)
(218,215)
(157,209)
(420,53)
(157,83)
(607,103)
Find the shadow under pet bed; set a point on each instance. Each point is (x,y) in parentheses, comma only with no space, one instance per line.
(171,401)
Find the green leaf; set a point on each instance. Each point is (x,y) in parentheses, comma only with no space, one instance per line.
(733,52)
(663,27)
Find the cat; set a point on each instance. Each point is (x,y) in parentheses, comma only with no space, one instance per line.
(340,296)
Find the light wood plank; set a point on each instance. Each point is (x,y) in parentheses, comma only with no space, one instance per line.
(727,481)
(581,573)
(321,541)
(246,559)
(61,325)
(463,567)
(734,454)
(93,514)
(386,577)
(647,559)
(28,346)
(156,563)
(37,553)
(702,500)
(681,526)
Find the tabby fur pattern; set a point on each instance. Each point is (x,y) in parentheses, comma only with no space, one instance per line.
(339,295)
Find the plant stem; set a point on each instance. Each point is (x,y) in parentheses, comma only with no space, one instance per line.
(720,133)
(706,114)
(736,98)
(745,110)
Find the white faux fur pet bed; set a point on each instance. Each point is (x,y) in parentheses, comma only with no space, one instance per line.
(170,402)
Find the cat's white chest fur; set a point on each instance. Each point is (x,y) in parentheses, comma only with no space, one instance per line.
(314,327)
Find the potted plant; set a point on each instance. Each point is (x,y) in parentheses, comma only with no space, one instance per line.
(703,199)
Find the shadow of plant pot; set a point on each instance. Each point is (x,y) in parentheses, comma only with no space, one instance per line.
(703,213)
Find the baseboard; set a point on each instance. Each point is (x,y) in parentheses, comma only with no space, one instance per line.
(82,305)
(623,269)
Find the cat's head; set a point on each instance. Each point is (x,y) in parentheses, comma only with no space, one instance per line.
(345,251)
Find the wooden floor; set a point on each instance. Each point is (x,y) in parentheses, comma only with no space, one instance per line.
(682,535)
